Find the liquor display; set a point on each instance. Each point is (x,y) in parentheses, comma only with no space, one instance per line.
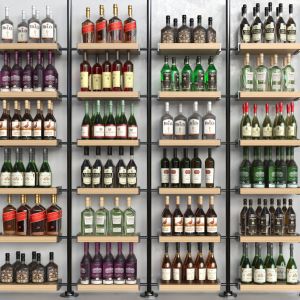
(188,80)
(189,222)
(271,30)
(185,172)
(188,34)
(108,269)
(109,125)
(190,271)
(104,222)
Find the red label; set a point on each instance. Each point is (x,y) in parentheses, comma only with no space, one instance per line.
(88,28)
(101,25)
(9,216)
(38,217)
(115,26)
(130,26)
(21,216)
(54,216)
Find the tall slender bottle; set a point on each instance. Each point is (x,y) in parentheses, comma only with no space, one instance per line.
(291,268)
(281,265)
(7,28)
(45,173)
(166,266)
(177,266)
(6,170)
(200,218)
(211,219)
(88,218)
(189,219)
(200,265)
(88,28)
(291,27)
(188,266)
(119,266)
(101,219)
(85,265)
(115,27)
(178,220)
(131,267)
(101,26)
(246,269)
(31,172)
(245,30)
(166,218)
(211,266)
(27,123)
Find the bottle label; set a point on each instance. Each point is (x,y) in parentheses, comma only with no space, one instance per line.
(174,175)
(246,275)
(276,81)
(116,79)
(246,34)
(122,176)
(280,130)
(100,220)
(110,130)
(209,126)
(270,32)
(186,81)
(21,216)
(26,128)
(116,220)
(271,275)
(256,33)
(282,32)
(267,131)
(86,176)
(180,128)
(190,274)
(249,80)
(130,26)
(209,175)
(290,81)
(178,224)
(50,128)
(34,30)
(88,220)
(261,80)
(132,132)
(281,272)
(291,130)
(292,275)
(166,81)
(186,175)
(258,176)
(53,216)
(87,28)
(291,33)
(37,128)
(212,81)
(175,83)
(115,26)
(45,179)
(167,127)
(47,30)
(128,80)
(255,131)
(166,225)
(108,176)
(9,216)
(189,224)
(202,274)
(130,220)
(7,31)
(38,217)
(17,179)
(50,81)
(101,25)
(5,179)
(200,224)
(96,176)
(122,131)
(259,275)
(271,176)
(247,130)
(196,175)
(3,128)
(85,131)
(106,80)
(108,272)
(212,224)
(131,176)
(165,175)
(96,82)
(199,83)
(211,274)
(98,131)
(5,81)
(84,79)
(15,80)
(176,274)
(166,274)
(292,176)
(194,127)
(245,177)
(30,179)
(15,128)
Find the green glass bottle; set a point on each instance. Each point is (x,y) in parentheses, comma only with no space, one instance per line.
(275,76)
(259,275)
(117,116)
(291,268)
(132,125)
(105,115)
(198,76)
(245,170)
(247,73)
(210,77)
(101,219)
(122,123)
(165,76)
(175,81)
(257,170)
(271,271)
(291,124)
(98,125)
(243,257)
(281,265)
(269,169)
(280,126)
(288,74)
(186,75)
(280,169)
(88,218)
(292,170)
(255,126)
(116,218)
(129,219)
(86,123)
(45,174)
(246,269)
(268,255)
(6,170)
(267,130)
(17,174)
(92,122)
(31,172)
(255,258)
(110,130)
(245,125)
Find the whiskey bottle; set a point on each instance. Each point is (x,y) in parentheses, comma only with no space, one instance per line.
(292,170)
(188,266)
(245,32)
(131,267)
(4,122)
(256,28)
(264,220)
(198,76)
(280,27)
(166,219)
(51,269)
(85,265)
(167,124)
(85,74)
(257,170)
(290,219)
(9,218)
(22,218)
(130,27)
(128,74)
(275,76)
(119,266)
(245,169)
(129,219)
(272,216)
(199,32)
(175,80)
(177,266)
(259,274)
(281,265)
(45,174)
(255,126)
(291,124)
(32,264)
(88,28)
(6,271)
(209,171)
(200,266)
(251,220)
(38,218)
(194,123)
(34,32)
(116,219)
(121,170)
(166,266)
(117,73)
(50,123)
(38,73)
(18,171)
(269,27)
(185,168)
(31,172)
(291,27)
(16,263)
(6,170)
(211,219)
(211,266)
(101,27)
(246,269)
(261,75)
(180,125)
(178,220)
(247,75)
(191,29)
(115,27)
(164,170)
(196,170)
(88,218)
(186,75)
(291,268)
(184,33)
(38,272)
(175,170)
(209,124)
(54,218)
(131,170)
(22,271)
(109,171)
(243,218)
(211,36)
(278,219)
(7,28)
(5,73)
(167,33)
(175,28)
(189,219)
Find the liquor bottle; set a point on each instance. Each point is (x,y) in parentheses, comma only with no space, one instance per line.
(131,170)
(7,28)
(166,266)
(267,125)
(256,28)
(278,220)
(101,27)
(280,27)
(27,75)
(22,30)
(119,266)
(251,220)
(198,76)
(115,27)
(9,218)
(51,269)
(211,266)
(269,27)
(88,218)
(191,29)
(211,219)
(101,219)
(178,221)
(270,266)
(31,172)
(6,271)
(194,123)
(188,266)
(269,169)
(291,27)
(37,218)
(47,30)
(199,32)
(51,75)
(243,218)
(117,73)
(180,124)
(281,265)
(200,265)
(130,27)
(121,177)
(86,123)
(32,264)
(131,267)
(275,76)
(177,266)
(54,216)
(34,27)
(88,28)
(165,76)
(288,75)
(247,75)
(38,74)
(281,170)
(210,76)
(49,123)
(27,122)
(167,124)
(211,35)
(186,75)
(45,174)
(184,33)
(255,126)
(16,264)
(209,124)
(257,170)
(85,265)
(38,272)
(175,81)
(290,219)
(196,170)
(86,171)
(166,219)
(97,169)
(246,269)
(4,122)
(259,274)
(128,72)
(292,170)
(261,75)
(96,266)
(129,219)
(175,28)
(291,268)
(6,170)
(167,33)
(245,169)
(5,73)
(116,219)
(110,125)
(185,168)
(17,174)
(272,216)
(22,271)
(189,219)
(245,32)
(85,74)
(209,171)
(291,124)
(16,74)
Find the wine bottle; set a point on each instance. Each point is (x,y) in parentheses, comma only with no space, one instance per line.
(110,125)
(117,73)
(245,126)
(131,267)
(243,218)
(85,265)
(257,170)
(177,266)
(38,73)
(119,266)
(132,125)
(200,265)
(196,164)
(246,269)
(17,174)
(166,266)
(27,122)
(245,33)
(259,275)
(200,218)
(281,265)
(86,170)
(185,168)
(211,219)
(39,123)
(50,123)
(189,219)
(178,220)
(278,220)
(291,268)
(255,126)
(6,170)
(109,171)
(31,172)
(45,174)
(106,74)
(166,219)
(15,123)
(264,220)
(209,170)
(96,266)
(251,220)
(211,266)
(245,170)
(131,170)
(164,170)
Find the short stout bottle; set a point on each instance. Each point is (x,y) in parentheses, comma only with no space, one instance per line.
(166,218)
(188,266)
(209,170)
(211,266)
(37,218)
(129,27)
(211,218)
(167,124)
(88,28)
(22,271)
(54,217)
(167,33)
(50,123)
(178,219)
(196,170)
(38,272)
(177,266)
(23,218)
(121,171)
(246,269)
(200,218)
(9,218)
(109,171)
(189,218)
(166,266)
(185,170)
(7,271)
(101,26)
(131,170)
(200,266)
(45,174)
(164,170)
(51,269)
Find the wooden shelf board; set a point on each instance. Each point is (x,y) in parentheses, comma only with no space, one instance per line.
(269,191)
(269,143)
(30,95)
(190,239)
(269,288)
(108,239)
(189,191)
(108,191)
(189,95)
(29,191)
(110,47)
(104,143)
(108,288)
(29,143)
(189,143)
(268,48)
(28,239)
(109,95)
(189,288)
(263,96)
(189,48)
(270,239)
(30,46)
(29,288)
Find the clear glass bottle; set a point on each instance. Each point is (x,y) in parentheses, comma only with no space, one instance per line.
(247,75)
(88,218)
(209,124)
(194,123)
(34,27)
(167,124)
(261,75)
(275,76)
(116,216)
(288,75)
(101,219)
(7,28)
(22,31)
(47,31)
(129,219)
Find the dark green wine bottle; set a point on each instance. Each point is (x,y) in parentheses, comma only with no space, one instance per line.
(5,178)
(245,170)
(246,270)
(110,125)
(280,265)
(269,169)
(271,272)
(292,171)
(17,175)
(45,175)
(31,173)
(86,123)
(280,170)
(258,174)
(291,268)
(132,125)
(259,270)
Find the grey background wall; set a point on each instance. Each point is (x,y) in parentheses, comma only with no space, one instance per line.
(57,157)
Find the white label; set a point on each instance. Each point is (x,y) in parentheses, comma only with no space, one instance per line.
(100,220)
(176,274)
(3,128)
(291,33)
(269,32)
(212,224)
(271,275)
(194,127)
(167,127)
(131,178)
(26,128)
(200,224)
(189,224)
(110,130)
(256,131)
(246,35)
(15,128)
(292,275)
(166,274)
(180,128)
(186,175)
(86,176)
(88,220)
(85,131)
(166,225)
(132,132)
(34,30)
(259,275)
(116,220)
(196,175)
(246,275)
(164,175)
(281,272)
(130,220)
(122,179)
(247,130)
(280,130)
(5,179)
(209,175)
(202,274)
(291,130)
(210,126)
(47,30)
(178,224)
(45,179)
(98,131)
(175,175)
(267,131)
(17,179)
(122,131)
(50,128)
(190,274)
(108,179)
(7,31)
(30,178)
(22,34)
(211,274)
(256,33)
(249,80)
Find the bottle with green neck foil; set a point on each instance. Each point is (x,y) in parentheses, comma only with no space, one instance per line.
(246,270)
(245,170)
(271,271)
(259,269)
(292,171)
(281,265)
(291,268)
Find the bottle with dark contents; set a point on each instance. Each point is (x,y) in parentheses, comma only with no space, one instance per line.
(38,74)
(251,220)
(184,32)
(38,272)
(291,27)
(280,27)
(257,26)
(115,27)
(167,33)
(290,219)
(209,170)
(96,266)
(131,267)
(192,28)
(51,269)
(101,26)
(17,263)
(16,75)
(5,73)
(121,170)
(85,265)
(269,26)
(278,219)
(108,266)
(97,171)
(131,170)
(109,171)
(22,271)
(9,218)
(88,28)
(32,264)
(166,218)
(245,34)
(130,27)
(54,216)
(177,219)
(119,266)
(166,266)
(22,218)
(199,32)
(243,218)
(117,73)
(50,74)
(7,271)
(86,170)
(211,218)
(211,35)
(37,218)
(175,28)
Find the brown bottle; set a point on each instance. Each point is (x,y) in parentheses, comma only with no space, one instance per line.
(88,28)
(177,266)
(9,218)
(200,266)
(54,215)
(38,218)
(209,171)
(166,219)
(5,122)
(200,218)
(188,266)
(22,217)
(211,218)
(290,219)
(101,26)
(189,219)
(211,266)
(177,219)
(166,266)
(50,123)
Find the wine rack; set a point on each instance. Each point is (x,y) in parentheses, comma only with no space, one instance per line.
(30,143)
(270,239)
(190,191)
(269,288)
(189,288)
(269,191)
(30,191)
(30,288)
(100,48)
(269,143)
(29,239)
(108,191)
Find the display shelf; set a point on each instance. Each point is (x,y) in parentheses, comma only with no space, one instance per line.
(108,191)
(28,239)
(270,239)
(190,191)
(269,288)
(192,95)
(189,48)
(29,143)
(189,288)
(97,48)
(29,288)
(109,95)
(190,239)
(269,191)
(268,96)
(29,191)
(189,143)
(109,143)
(30,95)
(30,46)
(269,48)
(269,143)
(108,239)
(108,288)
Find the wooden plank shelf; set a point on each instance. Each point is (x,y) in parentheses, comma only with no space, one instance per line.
(104,143)
(189,48)
(100,48)
(28,239)
(108,191)
(189,143)
(189,288)
(132,96)
(269,288)
(269,191)
(29,191)
(190,191)
(29,288)
(269,48)
(269,143)
(108,239)
(108,288)
(267,96)
(32,47)
(189,96)
(190,239)
(30,95)
(270,239)
(29,143)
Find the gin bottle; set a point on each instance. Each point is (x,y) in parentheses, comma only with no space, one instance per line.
(210,76)
(180,125)
(34,27)
(48,28)
(247,75)
(261,75)
(194,123)
(7,28)
(87,218)
(116,219)
(198,76)
(275,76)
(186,75)
(175,84)
(22,31)
(288,75)
(129,219)
(101,216)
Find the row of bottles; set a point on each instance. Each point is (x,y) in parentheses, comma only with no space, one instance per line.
(104,222)
(109,126)
(189,223)
(283,173)
(188,80)
(33,221)
(268,220)
(18,176)
(31,31)
(281,127)
(269,31)
(185,172)
(28,78)
(189,271)
(188,34)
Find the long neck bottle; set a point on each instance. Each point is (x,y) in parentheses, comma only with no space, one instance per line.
(101,26)
(54,218)
(166,266)
(38,74)
(119,266)
(108,266)
(110,126)
(246,270)
(166,218)
(6,170)
(88,28)
(255,130)
(131,267)
(45,174)
(259,276)
(18,171)
(245,126)
(188,266)
(167,124)
(291,27)
(291,268)
(31,172)
(245,32)
(281,265)
(85,266)
(115,27)
(37,218)
(177,266)
(4,122)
